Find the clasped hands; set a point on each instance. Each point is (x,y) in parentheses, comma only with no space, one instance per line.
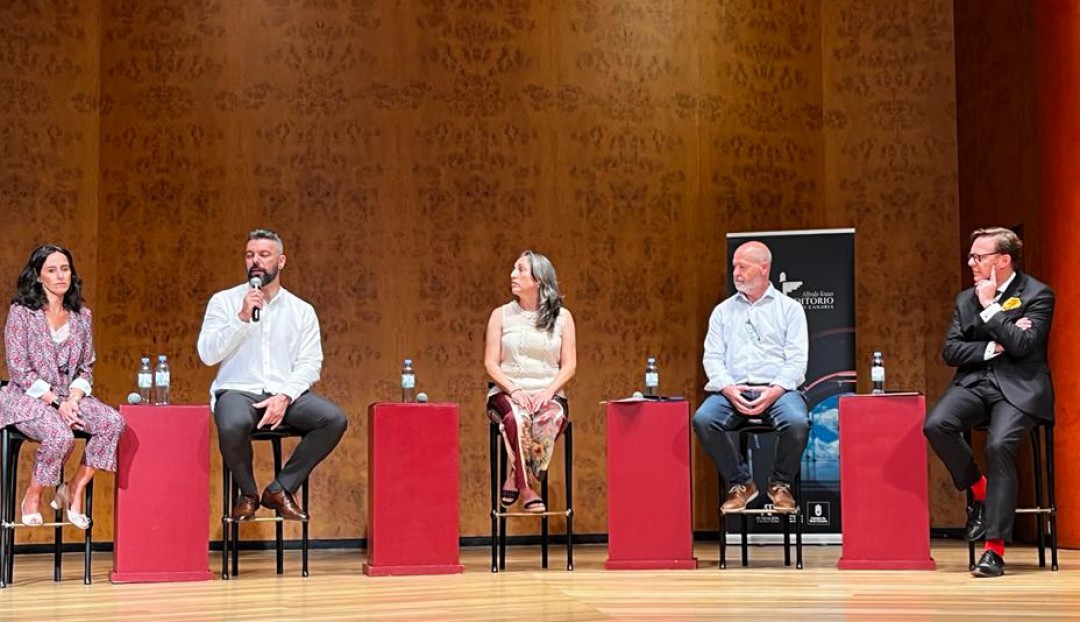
(531,401)
(766,397)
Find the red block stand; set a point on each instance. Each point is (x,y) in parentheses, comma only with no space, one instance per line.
(649,498)
(883,483)
(163,495)
(412,489)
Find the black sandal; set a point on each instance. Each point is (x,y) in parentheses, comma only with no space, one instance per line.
(535,505)
(509,496)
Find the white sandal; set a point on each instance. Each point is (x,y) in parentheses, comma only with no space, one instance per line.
(62,500)
(30,520)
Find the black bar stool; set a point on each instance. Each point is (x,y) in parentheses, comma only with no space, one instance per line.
(1045,508)
(11,441)
(499,513)
(754,426)
(230,492)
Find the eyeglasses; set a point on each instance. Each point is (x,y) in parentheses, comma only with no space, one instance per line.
(980,258)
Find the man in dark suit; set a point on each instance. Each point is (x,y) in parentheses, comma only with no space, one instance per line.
(997,343)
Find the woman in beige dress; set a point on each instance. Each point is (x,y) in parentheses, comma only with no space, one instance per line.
(531,354)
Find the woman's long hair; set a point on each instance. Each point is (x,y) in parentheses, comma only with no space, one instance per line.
(549,300)
(31,294)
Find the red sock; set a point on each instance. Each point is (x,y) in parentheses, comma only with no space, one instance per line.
(978,489)
(996,545)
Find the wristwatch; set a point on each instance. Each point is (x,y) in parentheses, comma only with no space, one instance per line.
(55,403)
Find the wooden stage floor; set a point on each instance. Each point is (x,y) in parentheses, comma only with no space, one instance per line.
(337,590)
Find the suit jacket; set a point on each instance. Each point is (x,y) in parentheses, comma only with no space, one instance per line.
(32,355)
(1022,371)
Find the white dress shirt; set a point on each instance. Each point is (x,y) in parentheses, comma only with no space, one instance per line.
(763,342)
(990,311)
(281,353)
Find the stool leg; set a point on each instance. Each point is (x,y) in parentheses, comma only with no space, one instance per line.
(1040,520)
(502,519)
(745,548)
(1048,433)
(568,452)
(786,520)
(971,545)
(226,509)
(305,543)
(8,489)
(798,522)
(88,537)
(234,552)
(493,459)
(58,539)
(544,521)
(279,526)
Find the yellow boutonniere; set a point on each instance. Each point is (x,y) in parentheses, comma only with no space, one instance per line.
(1010,304)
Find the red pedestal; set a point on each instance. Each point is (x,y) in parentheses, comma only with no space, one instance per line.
(883,483)
(163,495)
(649,498)
(412,489)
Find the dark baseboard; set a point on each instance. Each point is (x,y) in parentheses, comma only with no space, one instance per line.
(946,533)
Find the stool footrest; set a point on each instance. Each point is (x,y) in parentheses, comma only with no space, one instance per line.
(25,526)
(758,512)
(548,513)
(263,519)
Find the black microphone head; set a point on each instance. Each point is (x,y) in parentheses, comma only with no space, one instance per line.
(255,282)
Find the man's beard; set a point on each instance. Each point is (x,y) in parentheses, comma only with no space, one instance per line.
(267,277)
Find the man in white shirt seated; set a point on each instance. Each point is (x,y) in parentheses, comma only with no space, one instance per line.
(267,344)
(756,353)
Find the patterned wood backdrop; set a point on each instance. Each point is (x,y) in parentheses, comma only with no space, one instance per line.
(408,151)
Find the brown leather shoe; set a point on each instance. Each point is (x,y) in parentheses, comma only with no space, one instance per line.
(738,496)
(780,495)
(245,507)
(283,502)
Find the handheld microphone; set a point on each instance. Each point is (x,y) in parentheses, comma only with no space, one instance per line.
(255,283)
(134,398)
(421,397)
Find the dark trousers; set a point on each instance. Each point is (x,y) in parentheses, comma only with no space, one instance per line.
(321,421)
(959,410)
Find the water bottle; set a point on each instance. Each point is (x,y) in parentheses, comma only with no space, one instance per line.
(877,373)
(408,381)
(652,378)
(161,381)
(144,380)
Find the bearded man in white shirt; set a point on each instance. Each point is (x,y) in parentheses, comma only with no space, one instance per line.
(756,352)
(267,344)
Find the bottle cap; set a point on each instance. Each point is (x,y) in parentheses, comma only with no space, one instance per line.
(161,358)
(651,359)
(877,352)
(146,359)
(408,362)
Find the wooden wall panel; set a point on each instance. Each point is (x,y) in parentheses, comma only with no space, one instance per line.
(890,170)
(409,151)
(49,105)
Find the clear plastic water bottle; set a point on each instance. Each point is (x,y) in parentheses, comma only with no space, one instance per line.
(877,373)
(408,381)
(652,378)
(144,380)
(161,381)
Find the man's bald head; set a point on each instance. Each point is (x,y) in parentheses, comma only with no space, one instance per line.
(750,269)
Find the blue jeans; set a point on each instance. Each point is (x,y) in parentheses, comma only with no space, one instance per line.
(716,419)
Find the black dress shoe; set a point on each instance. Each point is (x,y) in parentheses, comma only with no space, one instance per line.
(284,503)
(976,522)
(990,565)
